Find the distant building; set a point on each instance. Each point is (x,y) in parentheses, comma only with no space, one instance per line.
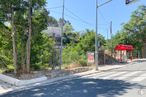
(54,32)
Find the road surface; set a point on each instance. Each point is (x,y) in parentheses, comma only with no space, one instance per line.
(128,81)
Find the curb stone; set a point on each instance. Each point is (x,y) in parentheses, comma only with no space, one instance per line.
(69,77)
(16,82)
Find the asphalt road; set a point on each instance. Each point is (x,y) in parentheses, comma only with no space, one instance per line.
(128,81)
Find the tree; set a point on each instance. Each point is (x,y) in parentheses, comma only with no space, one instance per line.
(87,41)
(120,38)
(69,36)
(26,25)
(52,22)
(8,13)
(136,27)
(28,44)
(76,52)
(36,14)
(5,48)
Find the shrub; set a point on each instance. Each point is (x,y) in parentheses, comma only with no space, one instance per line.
(83,62)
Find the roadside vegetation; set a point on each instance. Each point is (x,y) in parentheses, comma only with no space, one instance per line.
(25,48)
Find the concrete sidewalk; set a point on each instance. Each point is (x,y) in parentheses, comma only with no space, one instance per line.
(4,87)
(109,67)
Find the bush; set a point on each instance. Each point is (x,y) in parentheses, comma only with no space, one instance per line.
(70,56)
(1,71)
(83,62)
(35,67)
(10,68)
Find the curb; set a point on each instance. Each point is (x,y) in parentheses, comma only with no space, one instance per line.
(8,79)
(20,83)
(24,84)
(16,82)
(72,76)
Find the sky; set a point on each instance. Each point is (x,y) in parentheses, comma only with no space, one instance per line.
(82,14)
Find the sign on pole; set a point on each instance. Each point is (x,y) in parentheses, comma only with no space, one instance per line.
(129,1)
(90,57)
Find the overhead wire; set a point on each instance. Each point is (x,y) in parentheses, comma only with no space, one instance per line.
(72,15)
(104,19)
(56,7)
(79,18)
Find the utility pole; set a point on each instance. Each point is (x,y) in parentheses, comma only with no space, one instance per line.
(107,33)
(111,29)
(96,32)
(96,40)
(111,33)
(62,24)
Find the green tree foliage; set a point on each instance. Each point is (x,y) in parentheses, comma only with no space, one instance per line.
(42,45)
(136,27)
(69,36)
(119,38)
(133,32)
(76,53)
(5,48)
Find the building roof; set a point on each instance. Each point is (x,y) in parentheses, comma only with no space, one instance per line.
(122,47)
(53,31)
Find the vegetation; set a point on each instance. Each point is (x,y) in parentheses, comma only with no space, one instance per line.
(23,46)
(76,53)
(21,29)
(133,32)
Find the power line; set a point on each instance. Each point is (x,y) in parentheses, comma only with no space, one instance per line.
(79,18)
(71,17)
(55,11)
(65,15)
(56,7)
(103,18)
(76,19)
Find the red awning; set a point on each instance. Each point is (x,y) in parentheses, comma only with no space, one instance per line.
(121,47)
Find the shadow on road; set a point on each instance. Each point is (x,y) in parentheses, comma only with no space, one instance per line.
(83,87)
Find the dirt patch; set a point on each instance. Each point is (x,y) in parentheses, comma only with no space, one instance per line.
(49,73)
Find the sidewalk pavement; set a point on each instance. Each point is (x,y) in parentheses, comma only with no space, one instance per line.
(4,87)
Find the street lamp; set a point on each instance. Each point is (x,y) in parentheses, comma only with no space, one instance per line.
(96,32)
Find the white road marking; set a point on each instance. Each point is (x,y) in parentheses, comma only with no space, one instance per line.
(127,75)
(97,75)
(139,78)
(136,75)
(113,75)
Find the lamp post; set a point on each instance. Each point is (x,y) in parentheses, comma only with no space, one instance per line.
(96,32)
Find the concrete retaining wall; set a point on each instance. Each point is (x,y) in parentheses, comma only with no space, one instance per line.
(16,82)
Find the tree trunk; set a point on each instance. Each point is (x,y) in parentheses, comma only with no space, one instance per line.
(23,66)
(28,44)
(14,42)
(144,51)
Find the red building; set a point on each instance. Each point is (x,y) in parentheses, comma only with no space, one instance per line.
(123,52)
